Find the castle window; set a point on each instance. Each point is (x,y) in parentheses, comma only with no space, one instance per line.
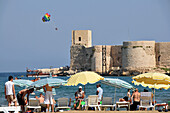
(79,38)
(159,58)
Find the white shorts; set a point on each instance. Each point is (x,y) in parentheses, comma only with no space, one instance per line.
(48,97)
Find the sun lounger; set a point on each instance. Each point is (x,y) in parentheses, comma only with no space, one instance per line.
(123,104)
(107,103)
(146,100)
(34,104)
(92,101)
(62,104)
(10,109)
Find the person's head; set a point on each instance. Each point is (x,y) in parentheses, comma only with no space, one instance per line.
(16,78)
(41,94)
(10,78)
(31,90)
(38,78)
(36,97)
(98,85)
(136,90)
(128,90)
(80,88)
(145,90)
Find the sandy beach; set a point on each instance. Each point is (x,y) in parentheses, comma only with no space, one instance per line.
(109,112)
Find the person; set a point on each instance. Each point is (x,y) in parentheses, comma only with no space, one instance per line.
(99,92)
(79,96)
(48,96)
(126,98)
(128,93)
(136,99)
(20,97)
(16,78)
(10,91)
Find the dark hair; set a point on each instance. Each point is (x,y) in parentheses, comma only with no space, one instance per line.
(31,90)
(128,89)
(145,90)
(99,85)
(10,77)
(125,98)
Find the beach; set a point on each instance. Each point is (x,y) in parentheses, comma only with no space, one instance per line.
(109,112)
(162,96)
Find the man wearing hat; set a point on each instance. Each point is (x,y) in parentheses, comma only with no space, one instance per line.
(79,96)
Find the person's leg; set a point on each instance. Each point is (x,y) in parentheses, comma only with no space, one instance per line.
(70,102)
(52,106)
(75,106)
(79,104)
(15,103)
(48,107)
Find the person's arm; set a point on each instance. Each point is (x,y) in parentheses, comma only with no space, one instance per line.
(28,98)
(44,89)
(97,92)
(5,92)
(76,95)
(13,88)
(131,98)
(82,96)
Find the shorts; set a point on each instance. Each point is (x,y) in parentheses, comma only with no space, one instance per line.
(20,100)
(10,98)
(48,97)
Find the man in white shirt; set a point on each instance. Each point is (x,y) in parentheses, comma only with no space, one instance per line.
(10,91)
(99,92)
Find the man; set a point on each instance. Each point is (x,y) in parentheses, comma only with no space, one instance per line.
(136,99)
(10,91)
(79,96)
(48,96)
(99,92)
(21,100)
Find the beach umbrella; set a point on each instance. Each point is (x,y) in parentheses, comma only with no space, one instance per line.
(55,82)
(22,82)
(117,83)
(152,80)
(84,78)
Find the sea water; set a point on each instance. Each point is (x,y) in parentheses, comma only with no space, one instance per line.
(161,96)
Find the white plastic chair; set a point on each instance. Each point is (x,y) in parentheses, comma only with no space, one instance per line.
(62,104)
(107,103)
(34,104)
(146,100)
(92,101)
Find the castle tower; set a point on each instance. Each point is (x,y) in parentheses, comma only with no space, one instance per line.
(82,37)
(138,55)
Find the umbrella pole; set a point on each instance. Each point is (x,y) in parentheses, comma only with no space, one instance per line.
(115,95)
(154,97)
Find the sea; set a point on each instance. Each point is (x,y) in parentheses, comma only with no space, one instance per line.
(161,96)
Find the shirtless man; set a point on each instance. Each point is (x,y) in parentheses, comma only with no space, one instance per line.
(48,96)
(20,97)
(136,99)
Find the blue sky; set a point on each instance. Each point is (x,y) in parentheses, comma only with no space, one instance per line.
(26,41)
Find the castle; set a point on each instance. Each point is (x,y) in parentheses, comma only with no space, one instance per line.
(140,56)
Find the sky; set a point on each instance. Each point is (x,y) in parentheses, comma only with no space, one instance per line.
(26,41)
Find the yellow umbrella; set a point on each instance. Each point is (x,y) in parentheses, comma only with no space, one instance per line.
(84,78)
(152,80)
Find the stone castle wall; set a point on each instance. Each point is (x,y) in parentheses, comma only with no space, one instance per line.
(163,54)
(138,55)
(82,37)
(80,57)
